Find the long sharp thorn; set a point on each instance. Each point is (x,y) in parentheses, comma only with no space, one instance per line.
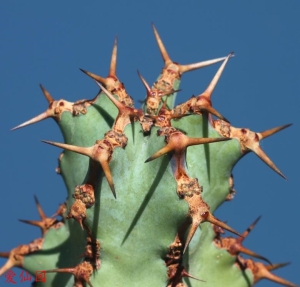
(276,266)
(8,265)
(161,47)
(246,232)
(88,151)
(34,120)
(14,259)
(246,251)
(265,274)
(61,270)
(171,92)
(191,67)
(145,83)
(209,90)
(221,224)
(261,154)
(95,77)
(39,208)
(118,104)
(80,221)
(191,234)
(164,150)
(113,61)
(191,141)
(184,273)
(267,133)
(196,141)
(106,170)
(47,95)
(214,112)
(31,222)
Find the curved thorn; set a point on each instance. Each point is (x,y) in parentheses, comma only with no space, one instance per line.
(88,151)
(267,133)
(47,95)
(95,77)
(209,90)
(199,65)
(261,154)
(246,251)
(106,170)
(161,47)
(113,61)
(34,120)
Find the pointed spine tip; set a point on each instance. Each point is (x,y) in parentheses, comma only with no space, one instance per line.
(262,155)
(36,199)
(267,133)
(83,71)
(113,191)
(277,266)
(153,26)
(249,229)
(34,120)
(47,142)
(113,61)
(46,94)
(256,220)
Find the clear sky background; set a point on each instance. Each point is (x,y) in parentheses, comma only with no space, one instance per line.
(260,89)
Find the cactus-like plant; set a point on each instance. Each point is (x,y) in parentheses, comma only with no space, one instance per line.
(143,185)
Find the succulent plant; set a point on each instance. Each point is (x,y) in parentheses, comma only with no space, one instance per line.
(142,188)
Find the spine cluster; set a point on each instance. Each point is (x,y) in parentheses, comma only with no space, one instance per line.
(159,115)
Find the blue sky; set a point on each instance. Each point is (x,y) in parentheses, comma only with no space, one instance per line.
(260,88)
